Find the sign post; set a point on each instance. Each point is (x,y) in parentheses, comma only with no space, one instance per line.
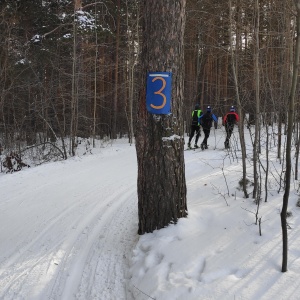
(159,90)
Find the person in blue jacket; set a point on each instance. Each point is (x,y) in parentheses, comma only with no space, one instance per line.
(206,122)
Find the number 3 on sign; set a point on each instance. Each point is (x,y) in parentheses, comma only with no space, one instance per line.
(159,89)
(159,92)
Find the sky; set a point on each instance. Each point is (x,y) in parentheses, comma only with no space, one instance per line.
(68,230)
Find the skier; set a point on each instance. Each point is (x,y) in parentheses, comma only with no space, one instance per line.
(230,119)
(206,123)
(195,126)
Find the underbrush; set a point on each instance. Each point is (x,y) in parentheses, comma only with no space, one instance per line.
(14,160)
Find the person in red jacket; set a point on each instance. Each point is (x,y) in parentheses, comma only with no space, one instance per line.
(230,119)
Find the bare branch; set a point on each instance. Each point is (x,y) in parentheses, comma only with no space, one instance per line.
(58,27)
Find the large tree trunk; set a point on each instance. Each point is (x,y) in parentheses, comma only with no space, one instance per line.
(159,138)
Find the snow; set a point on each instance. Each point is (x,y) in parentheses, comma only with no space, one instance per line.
(69,231)
(85,20)
(36,38)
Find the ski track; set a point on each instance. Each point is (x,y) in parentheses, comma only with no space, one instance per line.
(114,244)
(80,253)
(211,174)
(198,175)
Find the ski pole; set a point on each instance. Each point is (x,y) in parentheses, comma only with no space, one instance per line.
(215,137)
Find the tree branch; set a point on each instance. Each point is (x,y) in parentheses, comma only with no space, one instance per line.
(58,27)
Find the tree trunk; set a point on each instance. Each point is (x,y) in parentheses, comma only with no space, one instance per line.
(95,85)
(116,77)
(74,94)
(297,148)
(235,68)
(159,138)
(133,39)
(289,144)
(256,147)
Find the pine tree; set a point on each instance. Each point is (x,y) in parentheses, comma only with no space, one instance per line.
(159,138)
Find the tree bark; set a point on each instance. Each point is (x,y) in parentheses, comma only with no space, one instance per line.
(159,138)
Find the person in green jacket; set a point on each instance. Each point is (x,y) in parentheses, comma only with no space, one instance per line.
(195,125)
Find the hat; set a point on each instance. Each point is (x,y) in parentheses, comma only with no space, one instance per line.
(197,106)
(232,108)
(208,108)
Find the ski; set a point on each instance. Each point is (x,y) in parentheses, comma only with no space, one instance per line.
(203,147)
(191,148)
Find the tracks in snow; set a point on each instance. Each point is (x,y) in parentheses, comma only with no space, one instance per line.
(80,251)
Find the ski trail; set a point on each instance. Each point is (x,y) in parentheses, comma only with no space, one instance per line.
(96,254)
(96,248)
(213,173)
(79,246)
(109,255)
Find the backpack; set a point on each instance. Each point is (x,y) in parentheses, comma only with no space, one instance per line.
(195,115)
(231,119)
(206,120)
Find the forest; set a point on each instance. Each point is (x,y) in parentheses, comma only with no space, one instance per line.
(71,68)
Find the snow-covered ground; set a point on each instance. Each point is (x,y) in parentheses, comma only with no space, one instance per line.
(68,230)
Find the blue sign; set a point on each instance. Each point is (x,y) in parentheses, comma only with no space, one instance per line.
(159,90)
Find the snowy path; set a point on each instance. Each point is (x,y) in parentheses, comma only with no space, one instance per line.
(67,229)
